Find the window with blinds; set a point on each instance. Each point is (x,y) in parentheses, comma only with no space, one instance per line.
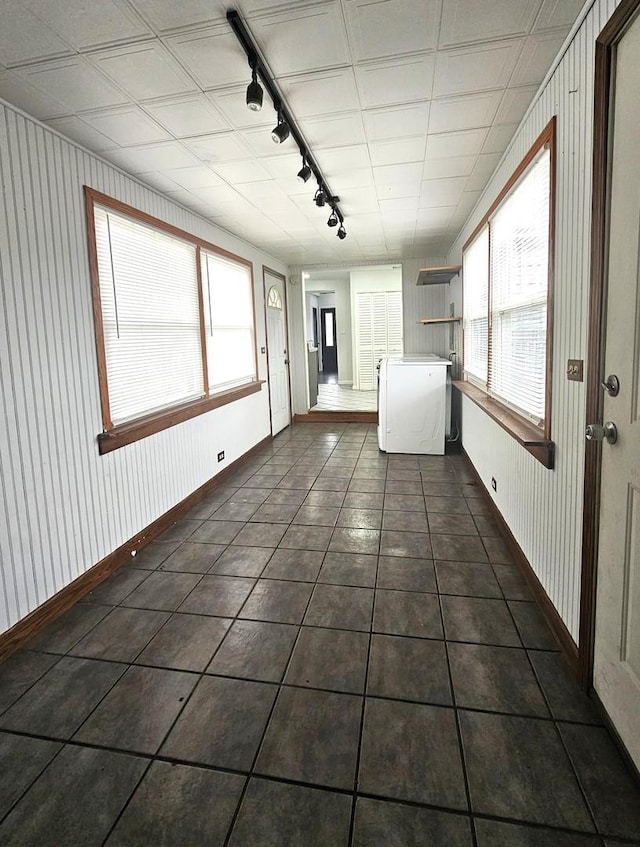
(175,319)
(506,291)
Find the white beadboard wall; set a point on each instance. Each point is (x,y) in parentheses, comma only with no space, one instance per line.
(63,507)
(544,508)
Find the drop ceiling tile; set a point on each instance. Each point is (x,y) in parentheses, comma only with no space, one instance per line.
(333,130)
(182,196)
(191,178)
(468,142)
(359,201)
(186,116)
(319,27)
(392,27)
(466,204)
(260,142)
(16,90)
(223,147)
(396,121)
(558,13)
(464,112)
(76,129)
(514,104)
(465,23)
(285,168)
(441,192)
(25,38)
(219,196)
(402,206)
(126,126)
(448,167)
(471,69)
(267,194)
(498,138)
(322,93)
(340,159)
(87,24)
(74,83)
(485,166)
(396,81)
(144,71)
(398,151)
(231,102)
(434,218)
(213,56)
(398,180)
(165,15)
(159,181)
(356,178)
(239,172)
(157,157)
(537,57)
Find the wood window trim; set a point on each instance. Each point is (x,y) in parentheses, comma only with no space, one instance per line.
(526,433)
(114,437)
(547,138)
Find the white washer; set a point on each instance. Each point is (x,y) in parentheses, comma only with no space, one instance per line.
(412,404)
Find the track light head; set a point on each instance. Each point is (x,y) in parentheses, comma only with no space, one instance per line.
(319,197)
(342,232)
(333,219)
(304,174)
(254,92)
(280,132)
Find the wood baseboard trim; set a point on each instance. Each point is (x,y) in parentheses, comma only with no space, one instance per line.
(615,735)
(549,611)
(337,417)
(35,621)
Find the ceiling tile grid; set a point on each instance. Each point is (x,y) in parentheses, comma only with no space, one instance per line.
(406,105)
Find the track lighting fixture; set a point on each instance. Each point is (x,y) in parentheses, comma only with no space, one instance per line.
(333,218)
(342,232)
(319,197)
(305,171)
(254,90)
(280,132)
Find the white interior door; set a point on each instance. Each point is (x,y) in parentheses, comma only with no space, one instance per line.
(617,637)
(278,352)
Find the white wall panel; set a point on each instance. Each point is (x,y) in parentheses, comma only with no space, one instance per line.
(63,507)
(544,508)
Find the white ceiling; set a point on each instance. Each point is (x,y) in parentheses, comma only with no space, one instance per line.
(407,106)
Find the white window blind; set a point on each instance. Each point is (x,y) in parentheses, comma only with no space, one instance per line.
(378,333)
(150,316)
(228,305)
(519,283)
(475,279)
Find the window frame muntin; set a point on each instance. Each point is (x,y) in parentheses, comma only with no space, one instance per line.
(112,437)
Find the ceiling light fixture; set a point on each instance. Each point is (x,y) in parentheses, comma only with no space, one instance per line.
(341,233)
(280,132)
(333,218)
(254,90)
(304,174)
(319,198)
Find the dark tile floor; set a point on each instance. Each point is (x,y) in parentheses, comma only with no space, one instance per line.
(334,648)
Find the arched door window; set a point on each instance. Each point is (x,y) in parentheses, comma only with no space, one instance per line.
(274,299)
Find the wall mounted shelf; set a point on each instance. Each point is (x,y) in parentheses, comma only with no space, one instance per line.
(451,320)
(437,276)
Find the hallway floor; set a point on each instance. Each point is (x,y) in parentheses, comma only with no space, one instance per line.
(341,398)
(333,649)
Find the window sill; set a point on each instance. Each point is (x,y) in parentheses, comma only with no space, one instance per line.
(527,434)
(142,427)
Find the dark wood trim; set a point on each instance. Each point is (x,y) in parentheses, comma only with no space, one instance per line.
(266,270)
(548,610)
(605,46)
(203,332)
(550,279)
(337,417)
(156,422)
(527,434)
(27,628)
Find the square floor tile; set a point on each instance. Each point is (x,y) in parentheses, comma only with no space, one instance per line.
(301,537)
(348,540)
(22,760)
(185,642)
(297,565)
(404,503)
(255,650)
(69,628)
(328,499)
(401,486)
(181,530)
(533,628)
(380,822)
(162,590)
(409,669)
(349,569)
(496,679)
(116,587)
(59,702)
(479,621)
(446,505)
(275,513)
(139,710)
(366,486)
(218,595)
(176,805)
(121,635)
(230,511)
(363,500)
(471,579)
(317,515)
(452,524)
(19,672)
(243,561)
(251,495)
(278,601)
(192,557)
(611,790)
(217,532)
(512,583)
(329,658)
(330,483)
(511,762)
(410,752)
(498,551)
(405,521)
(274,813)
(293,480)
(407,613)
(566,699)
(499,834)
(360,518)
(222,723)
(440,489)
(406,574)
(410,544)
(260,534)
(152,555)
(286,497)
(340,607)
(458,548)
(486,525)
(75,801)
(312,737)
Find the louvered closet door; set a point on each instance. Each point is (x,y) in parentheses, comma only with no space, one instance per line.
(364,375)
(378,333)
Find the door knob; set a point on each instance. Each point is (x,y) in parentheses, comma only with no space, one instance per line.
(596,432)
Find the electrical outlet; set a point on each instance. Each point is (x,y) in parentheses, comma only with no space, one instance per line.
(494,484)
(221,455)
